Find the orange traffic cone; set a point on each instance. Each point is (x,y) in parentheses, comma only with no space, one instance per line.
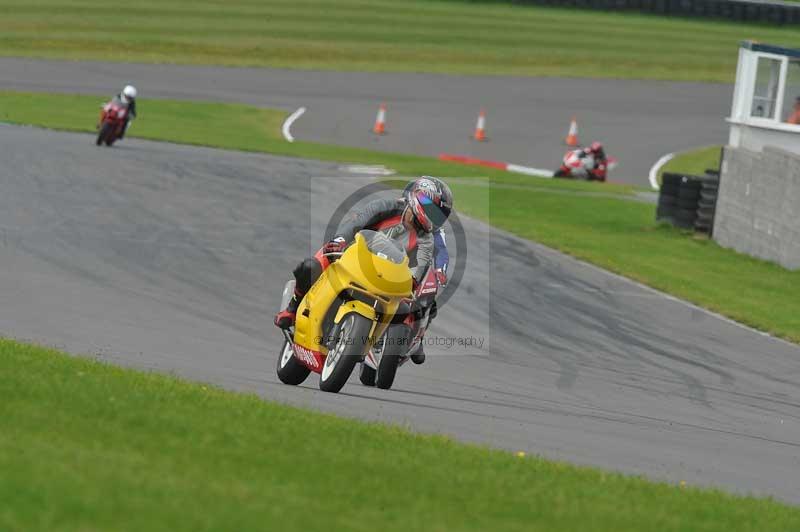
(380,121)
(572,136)
(480,127)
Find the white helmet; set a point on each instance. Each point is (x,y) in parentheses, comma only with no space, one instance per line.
(129,92)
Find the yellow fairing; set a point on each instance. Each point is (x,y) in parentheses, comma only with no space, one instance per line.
(359,270)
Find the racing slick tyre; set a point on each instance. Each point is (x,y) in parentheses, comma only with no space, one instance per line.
(367,375)
(684,218)
(350,346)
(290,370)
(397,343)
(689,193)
(105,130)
(687,203)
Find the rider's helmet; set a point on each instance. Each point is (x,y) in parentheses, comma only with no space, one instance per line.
(430,201)
(596,148)
(129,93)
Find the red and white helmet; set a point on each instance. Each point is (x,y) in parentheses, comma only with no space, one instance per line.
(430,201)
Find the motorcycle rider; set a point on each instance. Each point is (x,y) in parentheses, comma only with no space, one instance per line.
(127,99)
(596,151)
(414,221)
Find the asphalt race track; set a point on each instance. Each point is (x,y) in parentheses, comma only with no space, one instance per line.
(172,258)
(527,118)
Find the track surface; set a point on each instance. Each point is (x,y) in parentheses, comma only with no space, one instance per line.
(172,258)
(639,121)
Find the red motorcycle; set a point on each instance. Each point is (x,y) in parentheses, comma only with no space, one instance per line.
(578,164)
(113,118)
(402,339)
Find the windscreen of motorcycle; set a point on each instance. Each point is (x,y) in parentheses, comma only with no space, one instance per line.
(381,245)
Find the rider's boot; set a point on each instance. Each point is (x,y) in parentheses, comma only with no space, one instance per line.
(285,318)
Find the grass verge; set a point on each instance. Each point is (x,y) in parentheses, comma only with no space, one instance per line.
(242,127)
(596,223)
(88,446)
(383,35)
(621,236)
(693,162)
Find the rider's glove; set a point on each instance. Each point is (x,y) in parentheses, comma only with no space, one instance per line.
(336,245)
(441,277)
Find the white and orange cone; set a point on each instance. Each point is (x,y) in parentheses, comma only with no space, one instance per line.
(480,127)
(572,136)
(380,121)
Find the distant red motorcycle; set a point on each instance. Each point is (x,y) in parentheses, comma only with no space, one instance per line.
(113,118)
(578,164)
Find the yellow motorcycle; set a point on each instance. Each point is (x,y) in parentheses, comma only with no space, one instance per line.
(345,311)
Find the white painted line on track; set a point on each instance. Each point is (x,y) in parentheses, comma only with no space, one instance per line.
(287,125)
(538,172)
(656,167)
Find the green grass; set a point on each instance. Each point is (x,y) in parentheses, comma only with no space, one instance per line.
(86,447)
(222,125)
(240,127)
(382,35)
(694,162)
(597,223)
(621,236)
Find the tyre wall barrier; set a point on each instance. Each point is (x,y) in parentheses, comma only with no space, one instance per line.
(779,13)
(687,201)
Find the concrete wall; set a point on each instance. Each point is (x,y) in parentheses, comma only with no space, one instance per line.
(758,209)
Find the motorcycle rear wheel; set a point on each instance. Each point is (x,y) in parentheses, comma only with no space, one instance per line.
(366,375)
(290,370)
(397,343)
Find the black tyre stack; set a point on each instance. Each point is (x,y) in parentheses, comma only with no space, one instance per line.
(668,198)
(707,204)
(687,201)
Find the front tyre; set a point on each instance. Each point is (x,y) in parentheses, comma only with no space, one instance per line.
(351,343)
(105,131)
(290,370)
(111,138)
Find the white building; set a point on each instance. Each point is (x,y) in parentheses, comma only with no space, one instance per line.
(765,98)
(758,205)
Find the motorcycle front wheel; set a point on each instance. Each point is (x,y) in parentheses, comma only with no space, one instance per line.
(105,131)
(351,344)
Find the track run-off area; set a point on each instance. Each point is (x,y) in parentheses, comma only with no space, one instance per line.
(172,258)
(428,114)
